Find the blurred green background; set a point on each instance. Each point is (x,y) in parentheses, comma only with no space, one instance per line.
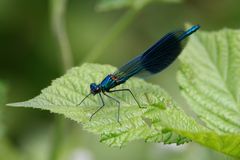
(33,37)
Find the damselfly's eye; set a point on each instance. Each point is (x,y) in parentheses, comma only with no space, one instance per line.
(94,88)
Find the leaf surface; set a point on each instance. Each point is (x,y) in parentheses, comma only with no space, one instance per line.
(65,93)
(209,79)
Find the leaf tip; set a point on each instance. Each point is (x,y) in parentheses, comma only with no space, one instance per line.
(15,104)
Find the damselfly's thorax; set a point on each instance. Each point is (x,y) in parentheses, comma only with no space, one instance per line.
(110,81)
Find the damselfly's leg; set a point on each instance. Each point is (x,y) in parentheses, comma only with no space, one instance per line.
(84,99)
(128,90)
(103,104)
(118,115)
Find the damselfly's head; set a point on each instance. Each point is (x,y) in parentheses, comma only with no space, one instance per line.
(94,88)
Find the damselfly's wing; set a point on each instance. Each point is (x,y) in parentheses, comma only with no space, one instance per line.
(157,57)
(163,53)
(133,67)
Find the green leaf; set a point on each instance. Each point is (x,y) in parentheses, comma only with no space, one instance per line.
(66,92)
(209,79)
(106,5)
(186,126)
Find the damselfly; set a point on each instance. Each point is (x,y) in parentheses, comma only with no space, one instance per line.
(153,60)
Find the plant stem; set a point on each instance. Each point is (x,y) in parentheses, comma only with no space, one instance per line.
(117,29)
(58,24)
(58,8)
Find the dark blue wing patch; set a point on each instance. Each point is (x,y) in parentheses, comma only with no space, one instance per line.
(163,53)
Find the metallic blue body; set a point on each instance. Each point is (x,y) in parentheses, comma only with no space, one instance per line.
(189,32)
(107,83)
